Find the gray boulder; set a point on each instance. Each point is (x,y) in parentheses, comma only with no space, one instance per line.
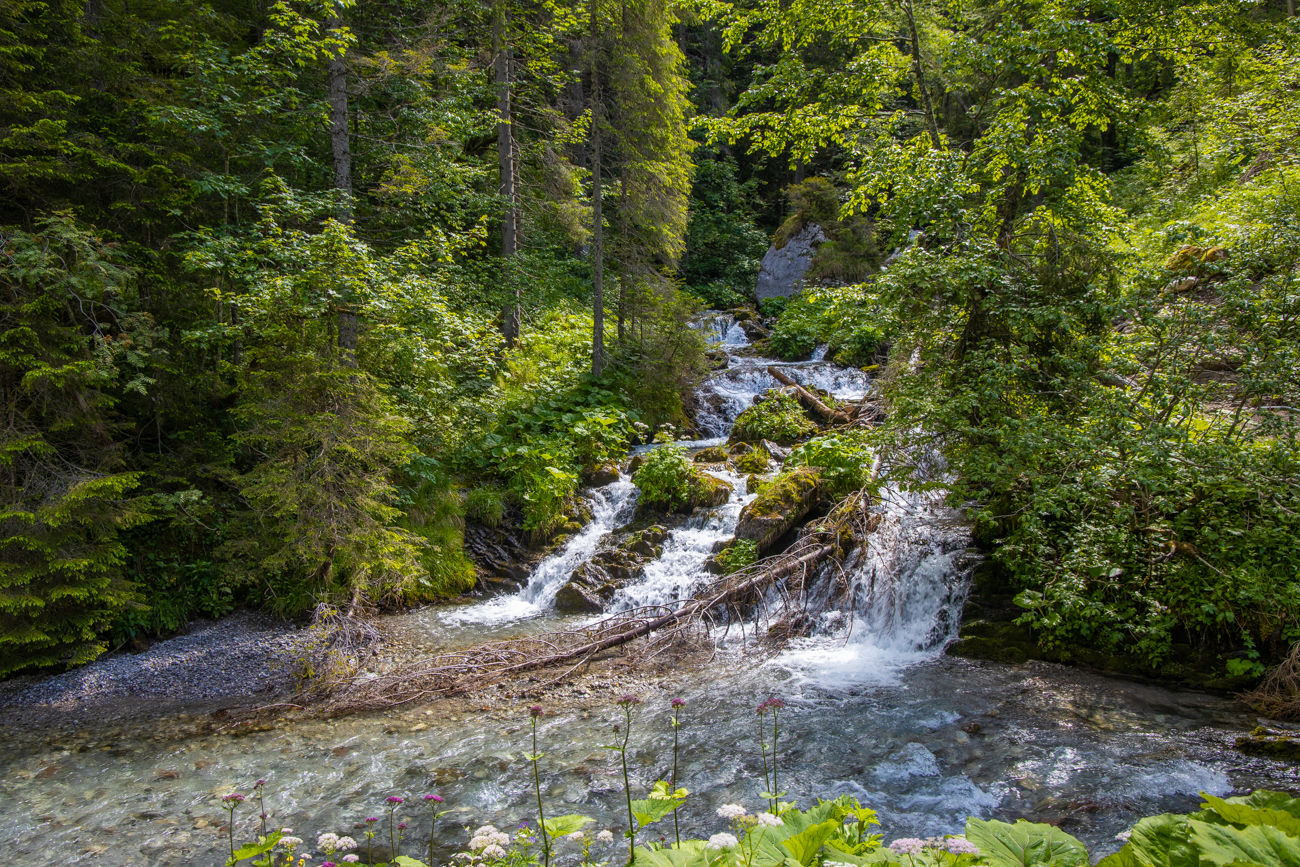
(782,272)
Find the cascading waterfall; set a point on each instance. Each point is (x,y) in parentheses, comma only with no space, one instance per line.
(611,507)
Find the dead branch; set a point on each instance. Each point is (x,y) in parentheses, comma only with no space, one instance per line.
(810,401)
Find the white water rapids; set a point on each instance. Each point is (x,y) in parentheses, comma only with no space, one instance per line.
(873,709)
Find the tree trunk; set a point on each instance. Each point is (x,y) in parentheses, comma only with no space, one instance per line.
(597,224)
(506,162)
(337,79)
(918,71)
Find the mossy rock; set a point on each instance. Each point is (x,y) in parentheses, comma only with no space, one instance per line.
(711,455)
(756,483)
(635,464)
(740,448)
(1000,642)
(647,543)
(600,475)
(1271,744)
(708,491)
(779,507)
(757,461)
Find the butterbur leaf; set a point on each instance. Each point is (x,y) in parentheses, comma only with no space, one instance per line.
(1238,813)
(1160,841)
(804,846)
(559,826)
(1024,844)
(406,861)
(249,850)
(1256,844)
(691,854)
(649,810)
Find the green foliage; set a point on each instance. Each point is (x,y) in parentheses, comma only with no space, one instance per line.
(846,318)
(66,341)
(486,505)
(844,459)
(738,555)
(665,477)
(663,800)
(778,417)
(1260,828)
(432,510)
(723,246)
(1024,844)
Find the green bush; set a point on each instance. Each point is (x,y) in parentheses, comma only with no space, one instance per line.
(543,479)
(844,459)
(737,555)
(486,505)
(433,511)
(665,477)
(779,417)
(718,296)
(845,318)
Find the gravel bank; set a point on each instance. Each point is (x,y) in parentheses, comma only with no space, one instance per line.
(240,659)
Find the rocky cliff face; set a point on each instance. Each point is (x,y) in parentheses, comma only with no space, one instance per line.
(782,272)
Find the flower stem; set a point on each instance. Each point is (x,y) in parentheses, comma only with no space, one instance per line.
(627,789)
(677,834)
(762,746)
(775,731)
(541,817)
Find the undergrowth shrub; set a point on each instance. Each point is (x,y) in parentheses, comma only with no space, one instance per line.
(486,505)
(434,512)
(738,555)
(778,417)
(845,318)
(665,477)
(844,459)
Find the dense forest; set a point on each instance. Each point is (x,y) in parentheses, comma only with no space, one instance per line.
(289,291)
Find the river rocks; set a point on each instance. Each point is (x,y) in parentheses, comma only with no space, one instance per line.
(781,274)
(779,507)
(740,448)
(704,492)
(776,452)
(1271,743)
(601,475)
(595,582)
(756,461)
(711,455)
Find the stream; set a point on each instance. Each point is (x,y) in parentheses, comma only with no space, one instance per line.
(874,709)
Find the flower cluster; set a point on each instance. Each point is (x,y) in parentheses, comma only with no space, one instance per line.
(907,846)
(605,837)
(329,843)
(768,820)
(731,811)
(489,842)
(960,846)
(771,704)
(723,841)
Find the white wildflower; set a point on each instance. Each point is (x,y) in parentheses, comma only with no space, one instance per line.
(768,820)
(478,844)
(907,846)
(494,851)
(328,841)
(286,830)
(731,811)
(484,831)
(351,859)
(347,843)
(576,836)
(462,856)
(836,864)
(1123,836)
(723,841)
(289,842)
(605,836)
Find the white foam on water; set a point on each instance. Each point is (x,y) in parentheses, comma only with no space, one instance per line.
(672,577)
(611,507)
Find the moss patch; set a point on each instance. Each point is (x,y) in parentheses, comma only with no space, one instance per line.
(779,507)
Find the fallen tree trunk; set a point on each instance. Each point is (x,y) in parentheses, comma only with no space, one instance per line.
(481,666)
(810,401)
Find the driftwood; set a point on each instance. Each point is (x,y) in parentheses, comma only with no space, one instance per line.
(810,401)
(486,664)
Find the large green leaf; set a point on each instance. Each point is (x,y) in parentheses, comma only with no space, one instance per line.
(262,846)
(804,846)
(691,854)
(1225,845)
(1237,811)
(1162,841)
(660,803)
(1025,844)
(407,861)
(559,826)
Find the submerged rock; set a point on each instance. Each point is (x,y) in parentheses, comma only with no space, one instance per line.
(1271,743)
(600,475)
(779,506)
